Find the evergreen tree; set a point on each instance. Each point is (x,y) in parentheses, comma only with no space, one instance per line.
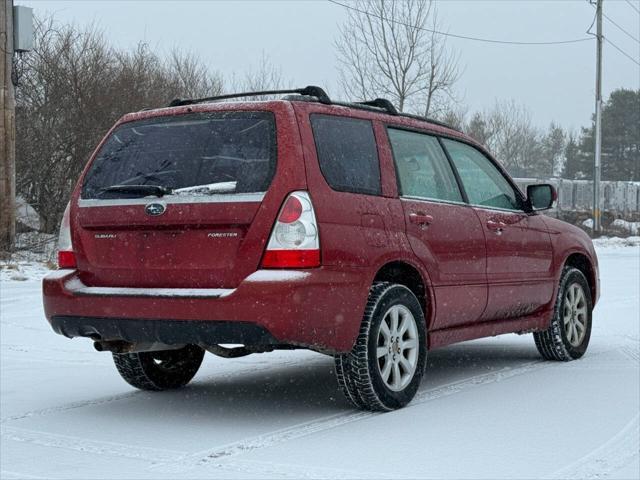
(577,164)
(553,145)
(620,139)
(478,128)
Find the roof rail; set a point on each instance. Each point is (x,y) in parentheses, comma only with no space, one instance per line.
(317,92)
(384,104)
(310,90)
(381,103)
(431,120)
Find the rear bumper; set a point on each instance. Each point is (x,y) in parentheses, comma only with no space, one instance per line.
(168,332)
(318,308)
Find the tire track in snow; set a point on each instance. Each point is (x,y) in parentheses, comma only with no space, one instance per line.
(11,475)
(222,458)
(85,445)
(631,352)
(295,471)
(333,421)
(606,459)
(219,454)
(72,357)
(161,456)
(70,406)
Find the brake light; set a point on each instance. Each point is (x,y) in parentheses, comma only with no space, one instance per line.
(294,241)
(66,256)
(291,210)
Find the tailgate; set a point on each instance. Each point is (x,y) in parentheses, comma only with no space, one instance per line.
(184,201)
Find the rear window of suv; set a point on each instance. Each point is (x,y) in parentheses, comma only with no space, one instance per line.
(203,153)
(347,153)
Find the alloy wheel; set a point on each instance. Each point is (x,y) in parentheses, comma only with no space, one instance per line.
(397,347)
(575,314)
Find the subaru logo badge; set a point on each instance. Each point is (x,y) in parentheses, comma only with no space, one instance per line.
(155,209)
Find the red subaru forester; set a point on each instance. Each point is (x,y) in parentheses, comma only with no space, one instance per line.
(345,228)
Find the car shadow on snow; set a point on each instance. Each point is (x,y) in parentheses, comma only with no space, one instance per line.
(303,390)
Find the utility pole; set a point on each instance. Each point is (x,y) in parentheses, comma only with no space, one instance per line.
(7,129)
(598,152)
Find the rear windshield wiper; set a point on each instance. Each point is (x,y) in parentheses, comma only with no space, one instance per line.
(157,190)
(208,188)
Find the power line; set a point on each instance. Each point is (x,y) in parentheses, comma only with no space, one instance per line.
(622,51)
(595,16)
(616,24)
(463,37)
(609,41)
(621,29)
(633,6)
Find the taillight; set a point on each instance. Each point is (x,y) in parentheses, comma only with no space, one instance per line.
(66,257)
(294,241)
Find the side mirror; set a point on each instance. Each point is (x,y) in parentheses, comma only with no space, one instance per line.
(541,197)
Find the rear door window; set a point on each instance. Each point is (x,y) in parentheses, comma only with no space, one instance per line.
(347,153)
(203,153)
(422,167)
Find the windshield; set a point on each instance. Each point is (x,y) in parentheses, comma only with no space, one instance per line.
(201,154)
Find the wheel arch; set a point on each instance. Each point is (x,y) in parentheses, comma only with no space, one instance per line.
(581,262)
(404,273)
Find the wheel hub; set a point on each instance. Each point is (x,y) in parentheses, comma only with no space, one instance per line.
(575,314)
(397,351)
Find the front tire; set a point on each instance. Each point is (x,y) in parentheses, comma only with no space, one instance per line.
(384,369)
(159,370)
(567,338)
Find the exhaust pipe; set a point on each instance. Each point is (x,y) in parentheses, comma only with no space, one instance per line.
(117,346)
(120,346)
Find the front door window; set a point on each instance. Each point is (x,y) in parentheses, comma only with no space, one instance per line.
(484,183)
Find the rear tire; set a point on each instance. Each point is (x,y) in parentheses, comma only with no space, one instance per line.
(384,369)
(160,370)
(567,338)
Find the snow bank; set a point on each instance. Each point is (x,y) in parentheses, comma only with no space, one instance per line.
(615,242)
(22,271)
(633,228)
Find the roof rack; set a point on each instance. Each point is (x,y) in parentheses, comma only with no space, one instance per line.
(312,91)
(381,103)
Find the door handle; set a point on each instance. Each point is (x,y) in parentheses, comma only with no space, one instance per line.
(421,219)
(497,227)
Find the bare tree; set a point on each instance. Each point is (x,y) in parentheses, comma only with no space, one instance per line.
(443,73)
(385,49)
(512,138)
(266,75)
(73,86)
(61,102)
(190,77)
(506,130)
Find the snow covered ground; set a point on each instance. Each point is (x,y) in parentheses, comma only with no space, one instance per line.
(486,409)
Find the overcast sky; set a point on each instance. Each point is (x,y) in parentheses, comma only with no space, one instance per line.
(555,82)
